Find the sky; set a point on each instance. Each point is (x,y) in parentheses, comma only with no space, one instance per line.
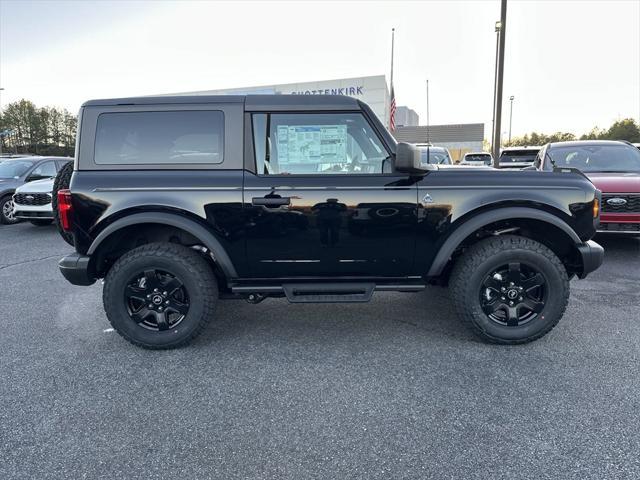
(571,65)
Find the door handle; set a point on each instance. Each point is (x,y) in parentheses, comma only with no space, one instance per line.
(270,202)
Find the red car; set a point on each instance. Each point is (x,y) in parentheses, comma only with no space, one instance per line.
(613,167)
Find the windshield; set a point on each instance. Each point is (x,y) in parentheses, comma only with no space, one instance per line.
(437,157)
(482,158)
(513,156)
(14,168)
(597,158)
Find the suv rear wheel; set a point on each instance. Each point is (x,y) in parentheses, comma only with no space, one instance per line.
(510,289)
(160,295)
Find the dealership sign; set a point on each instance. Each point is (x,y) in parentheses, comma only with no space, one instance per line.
(351,91)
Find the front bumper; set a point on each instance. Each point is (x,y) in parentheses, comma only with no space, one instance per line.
(620,223)
(75,268)
(592,255)
(28,212)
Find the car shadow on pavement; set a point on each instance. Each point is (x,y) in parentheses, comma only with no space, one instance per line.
(387,318)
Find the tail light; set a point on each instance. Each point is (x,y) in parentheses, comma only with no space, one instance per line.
(65,209)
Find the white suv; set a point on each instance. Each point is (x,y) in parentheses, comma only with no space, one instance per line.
(32,201)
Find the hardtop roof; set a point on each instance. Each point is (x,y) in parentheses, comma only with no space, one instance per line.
(251,102)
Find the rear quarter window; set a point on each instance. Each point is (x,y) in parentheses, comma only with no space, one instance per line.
(160,138)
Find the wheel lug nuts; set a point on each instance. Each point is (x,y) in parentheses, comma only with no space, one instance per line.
(511,284)
(502,289)
(502,298)
(520,298)
(149,296)
(160,308)
(167,302)
(164,293)
(150,306)
(511,303)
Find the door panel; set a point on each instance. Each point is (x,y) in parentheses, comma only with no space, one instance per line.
(347,225)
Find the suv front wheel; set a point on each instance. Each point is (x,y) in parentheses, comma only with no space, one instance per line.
(6,211)
(509,289)
(160,295)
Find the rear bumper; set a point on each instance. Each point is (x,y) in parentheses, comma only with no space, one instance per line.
(592,255)
(75,268)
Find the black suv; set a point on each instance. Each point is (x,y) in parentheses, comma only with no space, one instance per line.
(177,202)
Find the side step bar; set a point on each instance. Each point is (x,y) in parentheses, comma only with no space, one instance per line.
(327,292)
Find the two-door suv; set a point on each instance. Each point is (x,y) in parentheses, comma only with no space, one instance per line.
(177,202)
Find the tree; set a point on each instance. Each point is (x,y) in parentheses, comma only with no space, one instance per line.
(45,131)
(626,129)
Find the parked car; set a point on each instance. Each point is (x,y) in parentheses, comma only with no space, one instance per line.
(32,201)
(434,155)
(15,172)
(518,157)
(477,159)
(613,167)
(308,198)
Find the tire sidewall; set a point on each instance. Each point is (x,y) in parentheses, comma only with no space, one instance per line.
(115,304)
(554,305)
(62,181)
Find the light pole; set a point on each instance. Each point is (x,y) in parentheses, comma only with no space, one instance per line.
(510,115)
(428,125)
(501,28)
(1,141)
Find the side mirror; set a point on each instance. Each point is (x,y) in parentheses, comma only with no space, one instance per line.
(409,159)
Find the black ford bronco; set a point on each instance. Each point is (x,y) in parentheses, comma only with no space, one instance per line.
(177,202)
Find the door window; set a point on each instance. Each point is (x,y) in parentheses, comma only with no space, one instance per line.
(317,144)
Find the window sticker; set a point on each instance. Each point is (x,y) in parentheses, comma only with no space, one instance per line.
(312,144)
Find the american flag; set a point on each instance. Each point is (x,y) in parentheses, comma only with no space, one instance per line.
(392,111)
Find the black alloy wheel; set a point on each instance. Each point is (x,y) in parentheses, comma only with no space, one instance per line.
(156,299)
(509,289)
(513,294)
(160,295)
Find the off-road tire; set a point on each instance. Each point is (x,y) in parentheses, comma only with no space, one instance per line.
(41,222)
(61,182)
(467,277)
(3,219)
(194,271)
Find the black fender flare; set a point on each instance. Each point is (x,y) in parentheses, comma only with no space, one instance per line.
(469,226)
(201,233)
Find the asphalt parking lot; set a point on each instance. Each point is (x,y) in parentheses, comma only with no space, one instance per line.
(396,388)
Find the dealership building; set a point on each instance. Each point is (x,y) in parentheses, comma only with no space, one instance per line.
(374,91)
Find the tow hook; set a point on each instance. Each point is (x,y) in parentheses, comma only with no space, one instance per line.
(255,298)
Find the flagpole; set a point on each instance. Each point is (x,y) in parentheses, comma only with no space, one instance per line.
(393,32)
(392,106)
